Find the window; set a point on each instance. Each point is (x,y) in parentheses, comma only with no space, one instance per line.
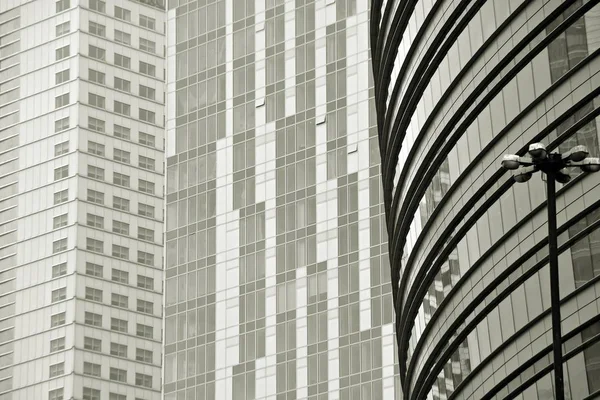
(92,344)
(147,92)
(59,270)
(117,349)
(120,227)
(97,52)
(57,344)
(59,294)
(61,172)
(96,101)
(122,61)
(144,331)
(147,163)
(120,179)
(97,29)
(146,186)
(63,52)
(57,369)
(146,210)
(118,300)
(96,76)
(143,380)
(122,132)
(145,234)
(56,394)
(63,29)
(94,245)
(145,282)
(120,251)
(143,355)
(147,22)
(62,76)
(147,116)
(147,45)
(98,5)
(92,319)
(117,374)
(93,294)
(91,369)
(146,307)
(91,394)
(120,276)
(61,101)
(122,37)
(94,196)
(147,139)
(61,124)
(59,245)
(62,5)
(145,258)
(122,84)
(147,69)
(61,197)
(122,108)
(60,220)
(122,13)
(96,124)
(95,220)
(61,148)
(120,203)
(96,148)
(95,172)
(57,319)
(119,325)
(94,269)
(116,396)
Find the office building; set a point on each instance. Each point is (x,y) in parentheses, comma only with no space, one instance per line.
(277,275)
(459,84)
(81,138)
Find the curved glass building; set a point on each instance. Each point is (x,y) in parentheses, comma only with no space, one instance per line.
(458,84)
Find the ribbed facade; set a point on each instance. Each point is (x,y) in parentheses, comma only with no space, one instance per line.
(458,84)
(81,199)
(276,254)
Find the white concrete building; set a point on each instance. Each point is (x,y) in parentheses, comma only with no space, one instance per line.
(81,199)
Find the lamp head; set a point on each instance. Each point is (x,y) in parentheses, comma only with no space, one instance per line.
(561,177)
(523,177)
(590,164)
(510,161)
(578,153)
(538,151)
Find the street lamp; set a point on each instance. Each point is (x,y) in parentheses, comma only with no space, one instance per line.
(552,165)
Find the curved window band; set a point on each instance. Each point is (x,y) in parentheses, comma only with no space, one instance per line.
(434,252)
(450,246)
(451,347)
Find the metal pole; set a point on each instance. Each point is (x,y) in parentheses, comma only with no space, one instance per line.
(554,289)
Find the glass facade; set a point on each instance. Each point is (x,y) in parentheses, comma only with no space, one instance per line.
(277,274)
(457,85)
(80,262)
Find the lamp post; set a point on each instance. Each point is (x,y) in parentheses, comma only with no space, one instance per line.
(552,165)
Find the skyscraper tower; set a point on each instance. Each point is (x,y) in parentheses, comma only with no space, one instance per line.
(458,85)
(81,139)
(277,274)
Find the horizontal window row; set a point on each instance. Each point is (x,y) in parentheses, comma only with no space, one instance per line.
(119,13)
(117,300)
(121,252)
(118,325)
(123,156)
(119,203)
(119,179)
(119,83)
(118,107)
